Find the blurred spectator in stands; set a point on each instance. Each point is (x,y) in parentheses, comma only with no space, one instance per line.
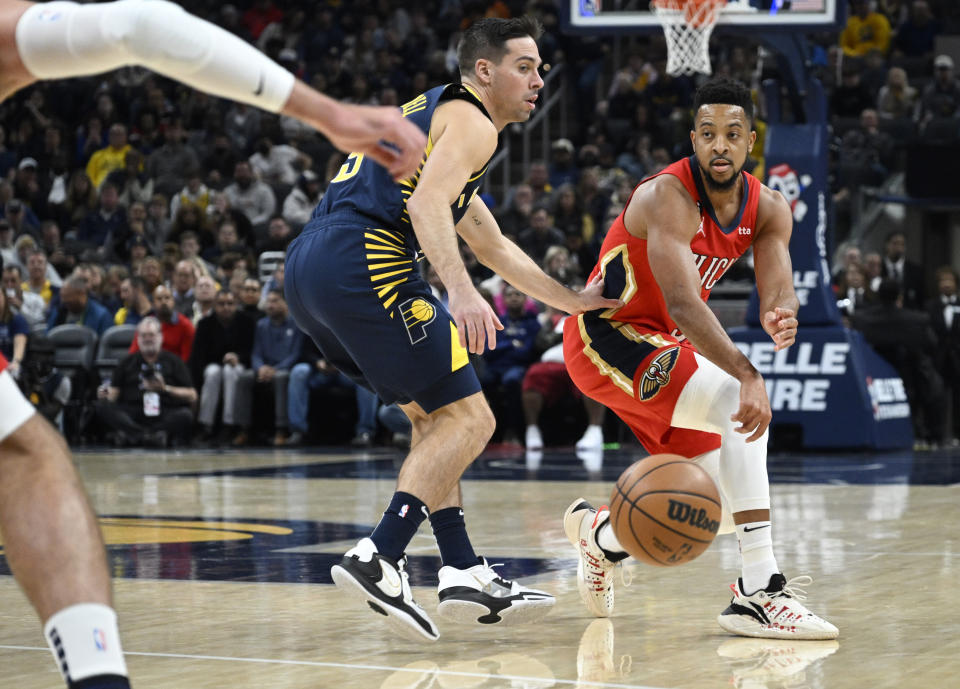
(848,254)
(302,199)
(904,337)
(592,199)
(261,14)
(278,164)
(538,177)
(502,373)
(39,280)
(76,307)
(851,97)
(276,347)
(514,216)
(190,219)
(135,300)
(114,279)
(137,249)
(636,160)
(149,396)
(547,383)
(897,99)
(556,264)
(157,223)
(873,73)
(27,304)
(941,97)
(171,165)
(576,225)
(132,182)
(178,330)
(907,274)
(8,158)
(220,161)
(540,235)
(916,35)
(853,293)
(944,312)
(251,196)
(21,218)
(867,154)
(190,251)
(195,193)
(105,227)
(250,298)
(314,372)
(81,199)
(563,168)
(184,278)
(222,348)
(112,157)
(278,236)
(865,30)
(26,186)
(227,241)
(896,11)
(51,243)
(242,125)
(873,269)
(151,270)
(14,330)
(204,297)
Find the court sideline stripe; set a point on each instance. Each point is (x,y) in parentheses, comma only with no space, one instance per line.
(348,666)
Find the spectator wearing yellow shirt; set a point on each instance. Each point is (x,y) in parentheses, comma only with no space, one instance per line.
(113,157)
(865,31)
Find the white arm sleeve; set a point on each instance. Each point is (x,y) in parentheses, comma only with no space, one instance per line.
(63,39)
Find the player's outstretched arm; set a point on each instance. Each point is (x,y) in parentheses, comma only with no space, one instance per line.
(60,39)
(774,270)
(479,229)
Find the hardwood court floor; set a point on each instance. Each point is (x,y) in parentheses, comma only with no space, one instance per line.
(222,578)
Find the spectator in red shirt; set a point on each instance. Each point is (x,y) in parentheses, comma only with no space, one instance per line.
(178,330)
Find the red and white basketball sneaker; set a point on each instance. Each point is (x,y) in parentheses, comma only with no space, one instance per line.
(774,612)
(594,568)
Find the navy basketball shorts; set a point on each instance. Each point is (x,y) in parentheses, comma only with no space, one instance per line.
(356,290)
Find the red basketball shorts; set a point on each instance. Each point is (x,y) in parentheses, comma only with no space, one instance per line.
(637,373)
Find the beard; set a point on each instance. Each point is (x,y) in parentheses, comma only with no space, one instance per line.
(716,185)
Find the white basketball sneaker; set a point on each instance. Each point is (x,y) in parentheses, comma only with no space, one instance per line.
(774,612)
(385,586)
(533,440)
(478,595)
(592,439)
(594,568)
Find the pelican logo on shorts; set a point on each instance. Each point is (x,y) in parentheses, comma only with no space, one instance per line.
(657,374)
(417,314)
(686,514)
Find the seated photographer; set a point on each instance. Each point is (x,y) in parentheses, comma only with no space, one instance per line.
(149,399)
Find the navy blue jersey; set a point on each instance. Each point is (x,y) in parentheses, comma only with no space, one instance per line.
(365,187)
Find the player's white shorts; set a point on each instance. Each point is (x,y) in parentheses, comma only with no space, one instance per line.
(14,407)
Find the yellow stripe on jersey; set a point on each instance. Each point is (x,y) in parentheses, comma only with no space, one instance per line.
(458,354)
(381,276)
(384,247)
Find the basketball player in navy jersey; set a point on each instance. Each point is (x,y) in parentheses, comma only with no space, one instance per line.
(665,365)
(354,287)
(51,538)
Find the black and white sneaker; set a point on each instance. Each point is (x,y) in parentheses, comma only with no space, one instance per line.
(384,585)
(774,612)
(478,595)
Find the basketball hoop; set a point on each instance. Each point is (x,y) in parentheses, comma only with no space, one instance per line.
(687,25)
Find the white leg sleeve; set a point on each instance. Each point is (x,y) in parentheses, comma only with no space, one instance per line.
(707,402)
(710,462)
(63,39)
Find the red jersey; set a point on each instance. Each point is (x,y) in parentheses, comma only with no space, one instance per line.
(3,363)
(623,257)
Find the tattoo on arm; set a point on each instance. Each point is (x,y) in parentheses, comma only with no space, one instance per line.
(476,220)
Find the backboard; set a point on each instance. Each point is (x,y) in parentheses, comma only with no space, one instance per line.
(606,16)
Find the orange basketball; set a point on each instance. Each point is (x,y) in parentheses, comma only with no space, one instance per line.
(665,510)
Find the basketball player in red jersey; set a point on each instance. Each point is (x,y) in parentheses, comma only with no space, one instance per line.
(51,539)
(665,365)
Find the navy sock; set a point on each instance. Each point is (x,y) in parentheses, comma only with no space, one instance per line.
(451,532)
(398,525)
(102,682)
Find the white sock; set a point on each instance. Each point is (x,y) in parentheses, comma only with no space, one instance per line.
(85,642)
(607,540)
(756,550)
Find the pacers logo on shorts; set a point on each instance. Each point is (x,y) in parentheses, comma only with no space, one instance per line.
(417,314)
(657,374)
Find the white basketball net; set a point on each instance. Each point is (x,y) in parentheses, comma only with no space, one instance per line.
(687,26)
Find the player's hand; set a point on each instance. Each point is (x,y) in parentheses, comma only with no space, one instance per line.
(476,321)
(591,297)
(781,325)
(381,133)
(754,413)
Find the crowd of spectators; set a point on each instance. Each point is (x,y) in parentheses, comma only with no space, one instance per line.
(128,199)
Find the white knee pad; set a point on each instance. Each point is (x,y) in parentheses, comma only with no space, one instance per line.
(710,462)
(63,39)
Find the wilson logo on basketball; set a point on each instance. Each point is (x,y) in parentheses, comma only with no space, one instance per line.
(685,514)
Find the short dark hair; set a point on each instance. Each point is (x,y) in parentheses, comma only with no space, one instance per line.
(487,39)
(888,291)
(726,91)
